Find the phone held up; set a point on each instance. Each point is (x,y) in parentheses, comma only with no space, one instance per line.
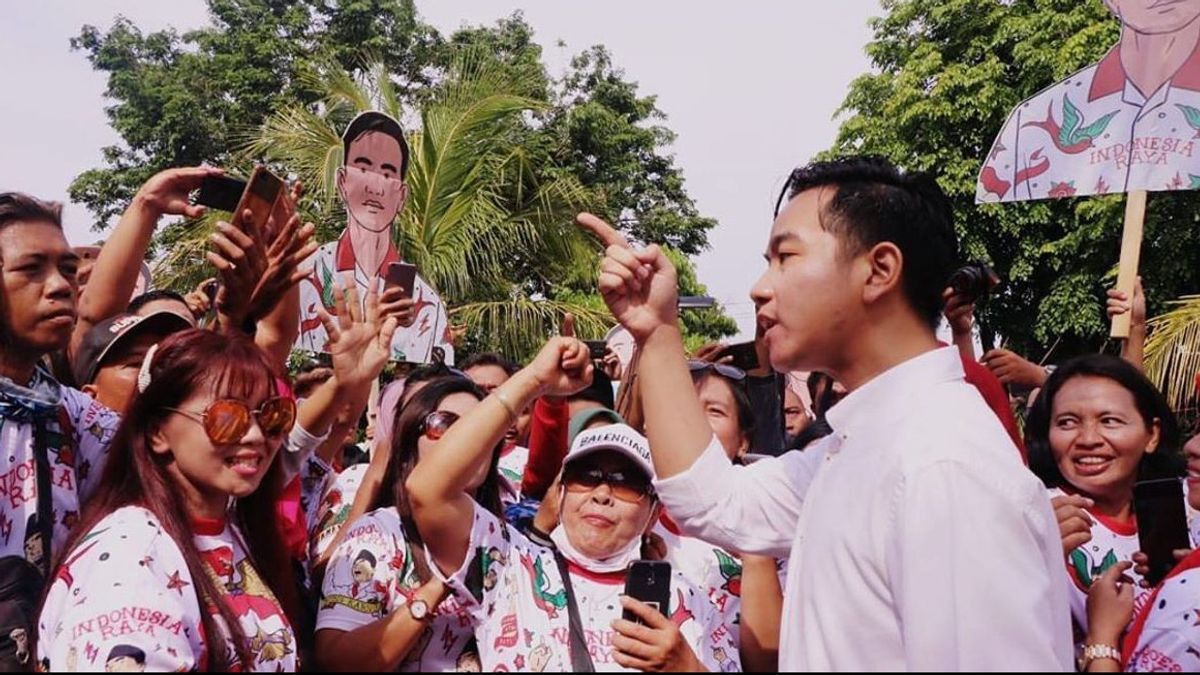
(650,582)
(401,274)
(1162,523)
(258,195)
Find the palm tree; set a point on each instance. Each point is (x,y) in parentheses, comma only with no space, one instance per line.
(488,223)
(1173,353)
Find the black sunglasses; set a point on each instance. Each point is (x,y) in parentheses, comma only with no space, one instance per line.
(722,369)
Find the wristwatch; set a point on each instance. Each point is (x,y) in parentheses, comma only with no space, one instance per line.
(1093,652)
(418,609)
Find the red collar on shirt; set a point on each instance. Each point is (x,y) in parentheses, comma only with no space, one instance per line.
(1121,528)
(208,527)
(344,256)
(1134,635)
(607,578)
(1109,77)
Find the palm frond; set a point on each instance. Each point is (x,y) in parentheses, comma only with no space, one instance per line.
(1173,352)
(519,326)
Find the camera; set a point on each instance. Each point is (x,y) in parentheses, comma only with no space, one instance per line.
(974,280)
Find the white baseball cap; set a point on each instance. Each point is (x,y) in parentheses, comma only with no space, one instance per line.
(619,437)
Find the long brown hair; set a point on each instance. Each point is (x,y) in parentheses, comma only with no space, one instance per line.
(408,428)
(135,475)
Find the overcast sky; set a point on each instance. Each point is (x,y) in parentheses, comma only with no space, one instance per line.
(750,88)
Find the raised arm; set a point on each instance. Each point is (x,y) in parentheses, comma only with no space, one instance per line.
(641,290)
(1133,348)
(115,273)
(442,509)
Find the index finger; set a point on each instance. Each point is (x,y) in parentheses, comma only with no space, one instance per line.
(650,616)
(607,234)
(568,325)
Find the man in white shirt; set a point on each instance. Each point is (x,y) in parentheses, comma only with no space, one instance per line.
(916,538)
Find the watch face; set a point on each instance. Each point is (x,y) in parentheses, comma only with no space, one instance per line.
(419,609)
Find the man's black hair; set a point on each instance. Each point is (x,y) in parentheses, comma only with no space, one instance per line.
(488,359)
(154,296)
(874,202)
(377,122)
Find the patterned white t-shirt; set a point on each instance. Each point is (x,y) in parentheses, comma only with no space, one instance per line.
(77,444)
(514,591)
(124,598)
(372,575)
(1165,635)
(715,571)
(333,508)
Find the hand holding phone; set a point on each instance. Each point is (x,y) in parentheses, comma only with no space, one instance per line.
(1162,524)
(650,582)
(262,191)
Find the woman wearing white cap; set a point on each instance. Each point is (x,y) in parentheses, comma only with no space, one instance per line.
(519,594)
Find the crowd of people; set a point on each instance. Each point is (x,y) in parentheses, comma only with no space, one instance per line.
(175,498)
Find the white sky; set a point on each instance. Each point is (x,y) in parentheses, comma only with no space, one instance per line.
(750,88)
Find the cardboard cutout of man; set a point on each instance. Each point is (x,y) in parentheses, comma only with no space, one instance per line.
(1129,122)
(371,186)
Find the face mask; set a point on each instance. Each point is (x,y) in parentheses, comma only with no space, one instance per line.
(618,562)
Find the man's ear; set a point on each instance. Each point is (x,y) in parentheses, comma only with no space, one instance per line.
(884,264)
(403,198)
(341,183)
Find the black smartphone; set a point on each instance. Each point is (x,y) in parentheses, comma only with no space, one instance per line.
(650,582)
(221,192)
(596,348)
(745,355)
(262,191)
(1162,523)
(401,274)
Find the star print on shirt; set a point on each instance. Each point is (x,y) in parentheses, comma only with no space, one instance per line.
(175,583)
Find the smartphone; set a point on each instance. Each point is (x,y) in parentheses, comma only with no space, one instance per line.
(1162,523)
(221,193)
(745,355)
(596,348)
(650,582)
(262,191)
(401,274)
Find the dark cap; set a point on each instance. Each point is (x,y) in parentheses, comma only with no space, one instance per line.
(108,334)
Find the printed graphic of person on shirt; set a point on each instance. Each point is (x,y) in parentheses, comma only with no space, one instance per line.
(1129,122)
(125,659)
(35,550)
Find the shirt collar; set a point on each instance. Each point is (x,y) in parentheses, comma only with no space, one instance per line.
(862,407)
(1109,76)
(344,258)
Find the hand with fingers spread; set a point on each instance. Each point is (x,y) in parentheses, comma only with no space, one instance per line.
(360,340)
(292,245)
(1074,523)
(1110,605)
(655,645)
(167,192)
(240,265)
(640,288)
(1010,368)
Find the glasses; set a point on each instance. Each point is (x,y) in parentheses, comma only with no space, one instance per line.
(437,423)
(226,420)
(623,486)
(724,370)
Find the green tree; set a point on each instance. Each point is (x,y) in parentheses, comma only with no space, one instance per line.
(945,75)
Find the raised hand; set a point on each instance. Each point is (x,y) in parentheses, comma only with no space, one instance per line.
(640,288)
(562,367)
(360,340)
(959,311)
(166,193)
(1119,303)
(291,246)
(1010,368)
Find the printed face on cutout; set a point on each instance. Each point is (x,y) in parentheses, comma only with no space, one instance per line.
(370,184)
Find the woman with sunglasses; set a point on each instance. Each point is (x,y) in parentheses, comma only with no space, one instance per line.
(559,609)
(177,563)
(378,590)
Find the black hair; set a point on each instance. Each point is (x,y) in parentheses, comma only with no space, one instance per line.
(1164,462)
(874,202)
(154,296)
(427,372)
(406,434)
(365,556)
(375,122)
(127,652)
(746,419)
(599,391)
(18,206)
(488,359)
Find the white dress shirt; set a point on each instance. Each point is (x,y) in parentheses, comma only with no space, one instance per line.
(917,540)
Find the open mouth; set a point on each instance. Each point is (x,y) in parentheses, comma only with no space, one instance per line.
(245,464)
(1092,465)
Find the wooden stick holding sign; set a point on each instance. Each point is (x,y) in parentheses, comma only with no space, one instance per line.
(1131,249)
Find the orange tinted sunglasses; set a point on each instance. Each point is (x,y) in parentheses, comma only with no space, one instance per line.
(227,420)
